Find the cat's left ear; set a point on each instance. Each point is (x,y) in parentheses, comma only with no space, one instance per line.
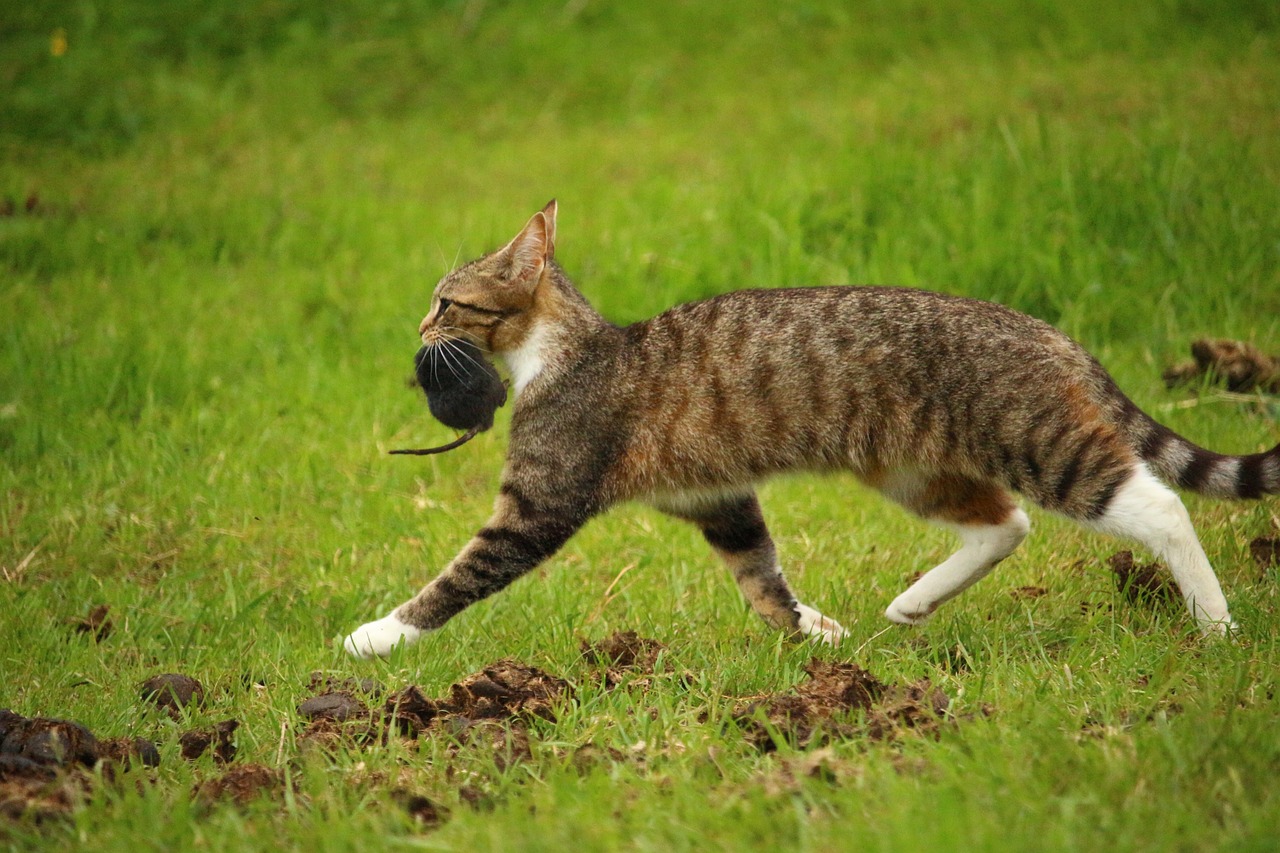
(531,250)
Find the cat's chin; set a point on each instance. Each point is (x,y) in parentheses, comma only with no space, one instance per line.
(380,637)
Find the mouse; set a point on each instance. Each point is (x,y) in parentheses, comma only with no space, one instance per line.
(463,390)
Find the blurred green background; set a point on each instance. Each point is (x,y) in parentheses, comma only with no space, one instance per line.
(220,223)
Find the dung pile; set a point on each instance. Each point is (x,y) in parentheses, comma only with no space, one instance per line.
(1146,584)
(505,692)
(1241,366)
(623,655)
(840,701)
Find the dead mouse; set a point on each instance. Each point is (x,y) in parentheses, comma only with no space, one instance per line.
(463,390)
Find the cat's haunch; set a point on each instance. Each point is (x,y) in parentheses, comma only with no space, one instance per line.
(463,390)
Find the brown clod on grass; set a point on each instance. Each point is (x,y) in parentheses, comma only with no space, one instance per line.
(918,706)
(424,812)
(56,743)
(1265,551)
(623,653)
(1142,584)
(826,706)
(220,736)
(95,623)
(171,692)
(1025,592)
(126,751)
(38,792)
(410,710)
(241,785)
(1240,365)
(338,706)
(506,689)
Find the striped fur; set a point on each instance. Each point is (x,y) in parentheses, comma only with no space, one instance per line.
(947,405)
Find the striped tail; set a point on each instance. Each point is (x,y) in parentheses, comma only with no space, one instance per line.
(1182,463)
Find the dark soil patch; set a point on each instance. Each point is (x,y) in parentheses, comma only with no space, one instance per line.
(623,654)
(43,765)
(220,736)
(1144,584)
(241,785)
(95,623)
(33,791)
(55,743)
(1240,366)
(129,751)
(841,700)
(1028,592)
(422,809)
(506,691)
(171,692)
(1265,551)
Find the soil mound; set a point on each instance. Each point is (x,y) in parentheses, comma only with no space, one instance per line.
(840,701)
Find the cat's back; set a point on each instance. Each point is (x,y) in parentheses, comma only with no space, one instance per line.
(754,382)
(923,331)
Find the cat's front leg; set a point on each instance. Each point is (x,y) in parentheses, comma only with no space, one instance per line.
(522,532)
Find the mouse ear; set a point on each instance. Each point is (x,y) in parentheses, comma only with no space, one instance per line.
(527,255)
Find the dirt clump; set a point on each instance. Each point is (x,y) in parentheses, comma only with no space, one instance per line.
(171,692)
(1265,551)
(43,740)
(1146,585)
(422,809)
(1241,366)
(623,654)
(126,751)
(338,706)
(30,790)
(220,736)
(506,691)
(95,623)
(42,765)
(241,785)
(1028,592)
(840,701)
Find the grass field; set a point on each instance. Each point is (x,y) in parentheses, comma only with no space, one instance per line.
(220,224)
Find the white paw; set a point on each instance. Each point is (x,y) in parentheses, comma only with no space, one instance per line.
(816,626)
(1221,628)
(380,637)
(908,613)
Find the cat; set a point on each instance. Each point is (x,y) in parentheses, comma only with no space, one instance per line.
(946,405)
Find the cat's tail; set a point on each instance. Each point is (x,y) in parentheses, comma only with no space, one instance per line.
(1183,463)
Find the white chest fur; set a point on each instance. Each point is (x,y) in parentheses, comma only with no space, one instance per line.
(526,361)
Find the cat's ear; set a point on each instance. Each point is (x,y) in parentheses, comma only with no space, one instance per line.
(527,255)
(550,213)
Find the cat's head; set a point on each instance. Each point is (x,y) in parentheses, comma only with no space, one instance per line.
(494,301)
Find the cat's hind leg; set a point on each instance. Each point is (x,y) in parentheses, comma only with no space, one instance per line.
(990,526)
(734,527)
(1144,509)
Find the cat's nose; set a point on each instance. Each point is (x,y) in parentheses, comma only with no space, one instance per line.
(422,327)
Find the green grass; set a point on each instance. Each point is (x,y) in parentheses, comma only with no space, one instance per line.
(207,319)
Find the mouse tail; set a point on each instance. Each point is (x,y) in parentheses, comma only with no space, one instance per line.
(427,451)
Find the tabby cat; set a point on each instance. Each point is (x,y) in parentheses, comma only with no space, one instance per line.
(946,405)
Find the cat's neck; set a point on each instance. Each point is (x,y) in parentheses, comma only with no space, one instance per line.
(563,327)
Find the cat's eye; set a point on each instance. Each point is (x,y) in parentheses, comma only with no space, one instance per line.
(444,305)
